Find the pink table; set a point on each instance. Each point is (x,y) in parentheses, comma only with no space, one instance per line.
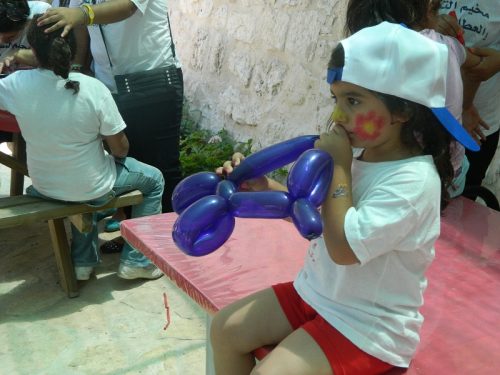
(17,162)
(462,303)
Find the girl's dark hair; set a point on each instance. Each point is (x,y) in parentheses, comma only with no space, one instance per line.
(13,15)
(422,130)
(365,13)
(53,52)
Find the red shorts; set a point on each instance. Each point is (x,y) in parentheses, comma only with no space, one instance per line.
(344,357)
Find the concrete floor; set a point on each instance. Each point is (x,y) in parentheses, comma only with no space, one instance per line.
(114,327)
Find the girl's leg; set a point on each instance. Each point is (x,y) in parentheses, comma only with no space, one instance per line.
(244,326)
(131,175)
(297,354)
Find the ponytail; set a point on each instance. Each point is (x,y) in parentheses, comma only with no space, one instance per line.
(53,52)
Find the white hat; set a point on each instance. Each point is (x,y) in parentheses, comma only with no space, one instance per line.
(392,59)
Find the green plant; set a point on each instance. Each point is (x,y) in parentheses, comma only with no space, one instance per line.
(203,150)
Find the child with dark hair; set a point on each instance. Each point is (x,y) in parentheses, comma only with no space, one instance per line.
(354,306)
(65,117)
(422,16)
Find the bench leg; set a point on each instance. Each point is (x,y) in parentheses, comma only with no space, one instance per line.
(18,152)
(63,257)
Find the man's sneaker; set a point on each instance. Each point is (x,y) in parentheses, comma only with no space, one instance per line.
(83,273)
(129,273)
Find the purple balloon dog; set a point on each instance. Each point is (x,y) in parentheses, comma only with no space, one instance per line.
(208,204)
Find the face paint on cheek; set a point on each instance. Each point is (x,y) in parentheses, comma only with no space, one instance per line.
(368,126)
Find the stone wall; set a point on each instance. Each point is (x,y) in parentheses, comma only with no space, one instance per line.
(257,67)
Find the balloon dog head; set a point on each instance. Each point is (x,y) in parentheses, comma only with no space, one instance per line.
(207,204)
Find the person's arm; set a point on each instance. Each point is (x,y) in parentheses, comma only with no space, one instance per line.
(117,144)
(67,18)
(20,57)
(488,65)
(339,198)
(472,76)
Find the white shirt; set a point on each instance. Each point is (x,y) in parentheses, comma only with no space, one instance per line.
(139,43)
(21,42)
(63,132)
(391,229)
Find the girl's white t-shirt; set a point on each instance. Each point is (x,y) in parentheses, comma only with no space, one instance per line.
(63,132)
(392,229)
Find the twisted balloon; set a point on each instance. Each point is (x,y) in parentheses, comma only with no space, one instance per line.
(207,204)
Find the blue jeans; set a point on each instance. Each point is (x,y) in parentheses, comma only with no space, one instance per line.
(131,174)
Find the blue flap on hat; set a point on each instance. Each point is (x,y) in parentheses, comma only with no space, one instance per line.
(334,74)
(455,128)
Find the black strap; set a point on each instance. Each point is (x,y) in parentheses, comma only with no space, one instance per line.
(172,46)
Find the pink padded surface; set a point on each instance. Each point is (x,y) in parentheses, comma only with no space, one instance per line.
(462,302)
(8,122)
(258,254)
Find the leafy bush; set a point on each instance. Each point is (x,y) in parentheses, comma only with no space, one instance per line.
(202,150)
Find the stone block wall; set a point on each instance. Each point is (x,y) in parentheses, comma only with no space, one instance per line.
(257,67)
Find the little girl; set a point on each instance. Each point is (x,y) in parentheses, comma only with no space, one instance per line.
(354,306)
(422,16)
(64,118)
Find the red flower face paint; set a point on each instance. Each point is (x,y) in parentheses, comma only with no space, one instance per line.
(368,126)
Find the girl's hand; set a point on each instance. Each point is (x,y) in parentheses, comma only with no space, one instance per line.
(255,184)
(6,63)
(337,144)
(448,25)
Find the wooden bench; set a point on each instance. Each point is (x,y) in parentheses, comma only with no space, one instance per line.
(25,209)
(462,301)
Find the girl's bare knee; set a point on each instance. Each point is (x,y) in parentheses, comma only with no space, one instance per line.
(221,332)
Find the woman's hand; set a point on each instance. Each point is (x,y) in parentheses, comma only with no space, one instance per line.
(473,123)
(254,184)
(66,18)
(337,144)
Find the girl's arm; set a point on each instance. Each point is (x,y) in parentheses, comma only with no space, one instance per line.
(118,144)
(339,199)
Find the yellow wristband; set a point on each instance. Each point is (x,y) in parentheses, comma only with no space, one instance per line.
(90,12)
